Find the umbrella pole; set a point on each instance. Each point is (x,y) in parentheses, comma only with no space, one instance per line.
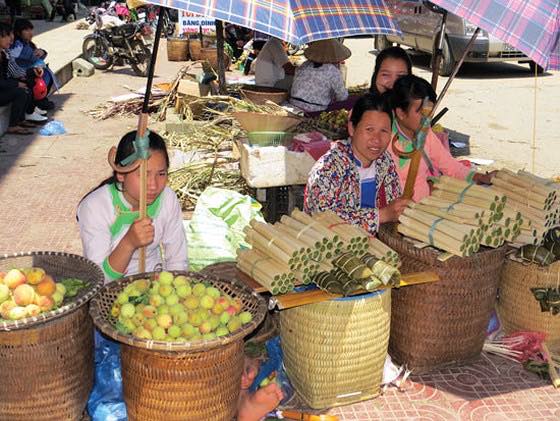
(141,131)
(221,57)
(439,50)
(456,69)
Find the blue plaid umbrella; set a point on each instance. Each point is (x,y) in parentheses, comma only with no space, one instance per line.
(297,21)
(531,26)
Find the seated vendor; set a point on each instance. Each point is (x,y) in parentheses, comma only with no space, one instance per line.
(318,82)
(273,67)
(357,178)
(406,101)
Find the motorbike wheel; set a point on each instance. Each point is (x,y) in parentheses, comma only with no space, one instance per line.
(142,56)
(96,51)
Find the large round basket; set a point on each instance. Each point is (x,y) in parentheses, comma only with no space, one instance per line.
(194,49)
(177,49)
(441,323)
(260,94)
(180,381)
(334,351)
(47,361)
(517,306)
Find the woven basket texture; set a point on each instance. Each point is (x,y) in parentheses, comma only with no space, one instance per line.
(334,351)
(210,54)
(177,49)
(47,369)
(259,95)
(194,49)
(59,266)
(442,323)
(518,308)
(180,381)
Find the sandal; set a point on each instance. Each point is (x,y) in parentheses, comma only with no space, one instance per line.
(27,124)
(18,130)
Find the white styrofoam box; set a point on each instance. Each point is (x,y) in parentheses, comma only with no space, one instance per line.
(4,118)
(272,166)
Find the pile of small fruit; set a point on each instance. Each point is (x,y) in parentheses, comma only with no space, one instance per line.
(31,291)
(176,309)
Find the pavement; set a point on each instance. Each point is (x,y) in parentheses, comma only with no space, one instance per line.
(42,179)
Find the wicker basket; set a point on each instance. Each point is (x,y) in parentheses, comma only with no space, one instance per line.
(180,381)
(334,352)
(443,323)
(260,94)
(518,308)
(194,49)
(177,49)
(47,361)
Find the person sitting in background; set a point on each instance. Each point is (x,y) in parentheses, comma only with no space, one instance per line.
(12,91)
(28,61)
(273,67)
(236,36)
(357,178)
(255,46)
(391,64)
(407,98)
(318,82)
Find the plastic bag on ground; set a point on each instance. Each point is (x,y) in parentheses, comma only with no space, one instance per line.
(52,128)
(215,231)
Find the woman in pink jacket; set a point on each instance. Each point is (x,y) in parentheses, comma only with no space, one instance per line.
(406,101)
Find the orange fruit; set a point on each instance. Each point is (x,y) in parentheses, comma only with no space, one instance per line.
(46,287)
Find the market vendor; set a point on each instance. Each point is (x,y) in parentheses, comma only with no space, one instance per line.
(390,64)
(406,98)
(318,82)
(273,67)
(110,231)
(357,178)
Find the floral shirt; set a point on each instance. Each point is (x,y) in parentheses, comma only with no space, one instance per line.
(334,184)
(314,88)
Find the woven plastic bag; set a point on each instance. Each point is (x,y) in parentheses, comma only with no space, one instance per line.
(106,401)
(215,231)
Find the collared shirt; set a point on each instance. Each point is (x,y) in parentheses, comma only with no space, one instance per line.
(103,221)
(314,88)
(269,65)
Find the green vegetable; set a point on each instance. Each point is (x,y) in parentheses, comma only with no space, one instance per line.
(73,286)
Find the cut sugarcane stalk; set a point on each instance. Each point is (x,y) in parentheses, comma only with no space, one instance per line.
(418,231)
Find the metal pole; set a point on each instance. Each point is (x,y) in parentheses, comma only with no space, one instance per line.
(221,57)
(438,53)
(153,58)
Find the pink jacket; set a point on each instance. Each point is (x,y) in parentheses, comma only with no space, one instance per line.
(441,159)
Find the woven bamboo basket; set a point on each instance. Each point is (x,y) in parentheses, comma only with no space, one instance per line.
(518,308)
(177,49)
(442,323)
(260,94)
(194,49)
(180,381)
(47,361)
(334,351)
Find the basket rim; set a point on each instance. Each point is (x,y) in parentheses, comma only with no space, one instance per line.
(10,325)
(190,347)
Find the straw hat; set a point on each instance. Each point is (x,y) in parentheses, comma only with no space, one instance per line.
(327,51)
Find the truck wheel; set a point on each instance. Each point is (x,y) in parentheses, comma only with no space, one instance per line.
(533,65)
(447,63)
(381,42)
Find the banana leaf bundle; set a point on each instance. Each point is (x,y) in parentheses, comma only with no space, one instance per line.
(548,298)
(536,254)
(352,266)
(388,274)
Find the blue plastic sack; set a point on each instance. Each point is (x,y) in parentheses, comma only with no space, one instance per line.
(52,128)
(106,401)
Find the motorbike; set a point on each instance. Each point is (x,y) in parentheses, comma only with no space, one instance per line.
(126,43)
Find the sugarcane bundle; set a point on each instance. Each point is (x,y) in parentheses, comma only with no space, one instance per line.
(385,272)
(326,243)
(272,275)
(494,236)
(471,194)
(307,274)
(454,211)
(354,238)
(383,252)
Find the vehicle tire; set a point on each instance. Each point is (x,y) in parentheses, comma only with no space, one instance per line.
(532,66)
(447,63)
(95,50)
(381,42)
(142,57)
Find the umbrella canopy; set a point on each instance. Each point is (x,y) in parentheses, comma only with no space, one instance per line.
(297,21)
(531,26)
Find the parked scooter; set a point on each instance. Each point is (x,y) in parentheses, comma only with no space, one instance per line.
(129,43)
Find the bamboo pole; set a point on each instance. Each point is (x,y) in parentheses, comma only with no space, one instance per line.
(448,244)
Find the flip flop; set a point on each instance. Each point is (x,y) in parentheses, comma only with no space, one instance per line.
(18,131)
(27,124)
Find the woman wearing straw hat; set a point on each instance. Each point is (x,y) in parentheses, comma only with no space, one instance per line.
(318,82)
